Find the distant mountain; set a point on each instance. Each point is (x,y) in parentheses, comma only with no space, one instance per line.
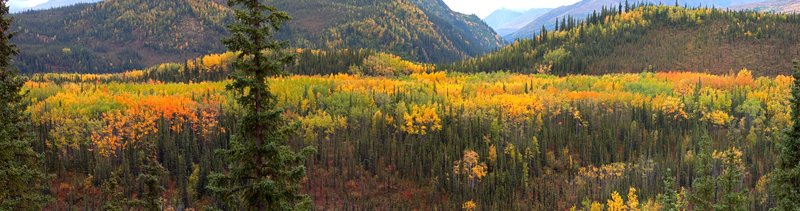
(526,18)
(116,35)
(581,9)
(505,21)
(500,17)
(654,38)
(785,6)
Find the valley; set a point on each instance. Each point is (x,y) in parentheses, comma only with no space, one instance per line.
(399,105)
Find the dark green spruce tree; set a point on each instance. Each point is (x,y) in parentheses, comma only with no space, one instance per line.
(702,194)
(112,193)
(150,177)
(263,171)
(22,179)
(732,196)
(786,178)
(669,198)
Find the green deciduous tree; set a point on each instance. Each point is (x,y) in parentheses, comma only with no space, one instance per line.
(263,171)
(786,178)
(21,178)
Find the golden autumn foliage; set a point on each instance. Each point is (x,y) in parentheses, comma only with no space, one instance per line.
(321,120)
(731,158)
(720,118)
(421,120)
(383,64)
(651,205)
(604,171)
(596,206)
(616,203)
(80,112)
(123,128)
(633,200)
(217,60)
(469,205)
(492,154)
(113,116)
(470,166)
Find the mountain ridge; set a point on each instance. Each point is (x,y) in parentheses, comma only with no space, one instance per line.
(117,35)
(784,6)
(583,8)
(654,38)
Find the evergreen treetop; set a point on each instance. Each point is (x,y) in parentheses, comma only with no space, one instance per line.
(264,173)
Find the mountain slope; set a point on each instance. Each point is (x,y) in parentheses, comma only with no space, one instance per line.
(116,35)
(467,32)
(583,8)
(657,38)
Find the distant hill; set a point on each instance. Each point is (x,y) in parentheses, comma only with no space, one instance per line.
(583,8)
(654,38)
(505,21)
(784,6)
(116,35)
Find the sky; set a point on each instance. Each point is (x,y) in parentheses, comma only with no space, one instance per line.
(483,8)
(24,4)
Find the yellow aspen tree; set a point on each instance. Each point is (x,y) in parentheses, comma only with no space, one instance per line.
(633,200)
(469,205)
(616,203)
(596,206)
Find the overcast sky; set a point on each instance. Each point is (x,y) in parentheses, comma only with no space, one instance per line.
(24,4)
(483,8)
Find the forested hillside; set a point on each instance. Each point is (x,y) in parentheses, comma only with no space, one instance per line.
(639,107)
(582,8)
(654,38)
(117,35)
(427,140)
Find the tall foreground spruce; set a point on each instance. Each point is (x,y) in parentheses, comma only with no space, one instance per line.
(263,171)
(21,176)
(786,178)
